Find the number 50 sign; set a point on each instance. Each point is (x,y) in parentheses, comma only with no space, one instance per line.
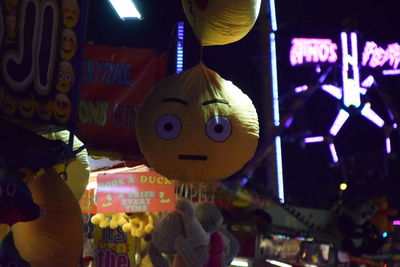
(40,59)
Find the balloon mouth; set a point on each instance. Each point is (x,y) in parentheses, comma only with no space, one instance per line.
(192,157)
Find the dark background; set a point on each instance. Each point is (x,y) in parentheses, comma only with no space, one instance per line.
(310,177)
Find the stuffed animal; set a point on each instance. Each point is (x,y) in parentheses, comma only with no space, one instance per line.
(179,232)
(139,224)
(105,220)
(381,219)
(211,219)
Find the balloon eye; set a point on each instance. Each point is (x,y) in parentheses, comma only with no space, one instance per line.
(10,189)
(218,128)
(68,77)
(60,75)
(168,127)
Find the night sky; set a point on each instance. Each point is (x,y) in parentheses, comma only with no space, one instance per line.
(310,177)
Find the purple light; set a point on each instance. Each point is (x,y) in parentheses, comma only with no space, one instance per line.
(388,145)
(368,82)
(396,222)
(339,121)
(244,181)
(288,122)
(332,90)
(394,125)
(390,72)
(314,139)
(377,56)
(368,113)
(318,69)
(179,47)
(333,153)
(351,91)
(300,89)
(311,50)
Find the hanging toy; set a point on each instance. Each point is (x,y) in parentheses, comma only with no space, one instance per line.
(219,22)
(104,220)
(139,224)
(196,126)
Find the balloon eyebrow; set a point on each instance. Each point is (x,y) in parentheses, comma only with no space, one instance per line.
(215,101)
(175,99)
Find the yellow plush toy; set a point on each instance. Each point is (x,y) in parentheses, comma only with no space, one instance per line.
(196,126)
(139,224)
(105,220)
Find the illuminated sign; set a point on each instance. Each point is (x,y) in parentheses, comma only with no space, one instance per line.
(376,56)
(311,50)
(316,51)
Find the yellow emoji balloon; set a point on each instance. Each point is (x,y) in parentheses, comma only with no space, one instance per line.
(66,77)
(62,108)
(69,44)
(44,110)
(8,103)
(27,106)
(71,12)
(196,126)
(219,22)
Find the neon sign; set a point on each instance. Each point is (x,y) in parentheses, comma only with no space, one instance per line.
(376,56)
(311,50)
(317,50)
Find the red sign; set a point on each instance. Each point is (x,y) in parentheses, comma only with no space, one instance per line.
(134,192)
(88,202)
(115,83)
(41,57)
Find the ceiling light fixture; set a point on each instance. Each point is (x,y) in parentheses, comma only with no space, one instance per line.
(125,9)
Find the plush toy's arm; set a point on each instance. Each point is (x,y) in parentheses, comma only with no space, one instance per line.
(156,258)
(192,256)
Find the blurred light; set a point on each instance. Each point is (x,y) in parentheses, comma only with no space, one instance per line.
(332,90)
(126,9)
(300,89)
(272,14)
(390,72)
(367,83)
(384,234)
(394,125)
(239,262)
(388,145)
(333,153)
(244,181)
(278,263)
(274,77)
(279,170)
(318,69)
(314,139)
(368,113)
(179,47)
(396,222)
(288,122)
(343,186)
(339,121)
(312,50)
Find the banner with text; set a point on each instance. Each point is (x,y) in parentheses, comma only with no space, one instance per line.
(41,43)
(115,82)
(134,192)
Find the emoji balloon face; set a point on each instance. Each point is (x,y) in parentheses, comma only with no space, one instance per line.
(27,106)
(44,110)
(219,22)
(66,77)
(62,108)
(69,44)
(8,104)
(71,12)
(196,126)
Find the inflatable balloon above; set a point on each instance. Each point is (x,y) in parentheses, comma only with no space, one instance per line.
(196,126)
(219,22)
